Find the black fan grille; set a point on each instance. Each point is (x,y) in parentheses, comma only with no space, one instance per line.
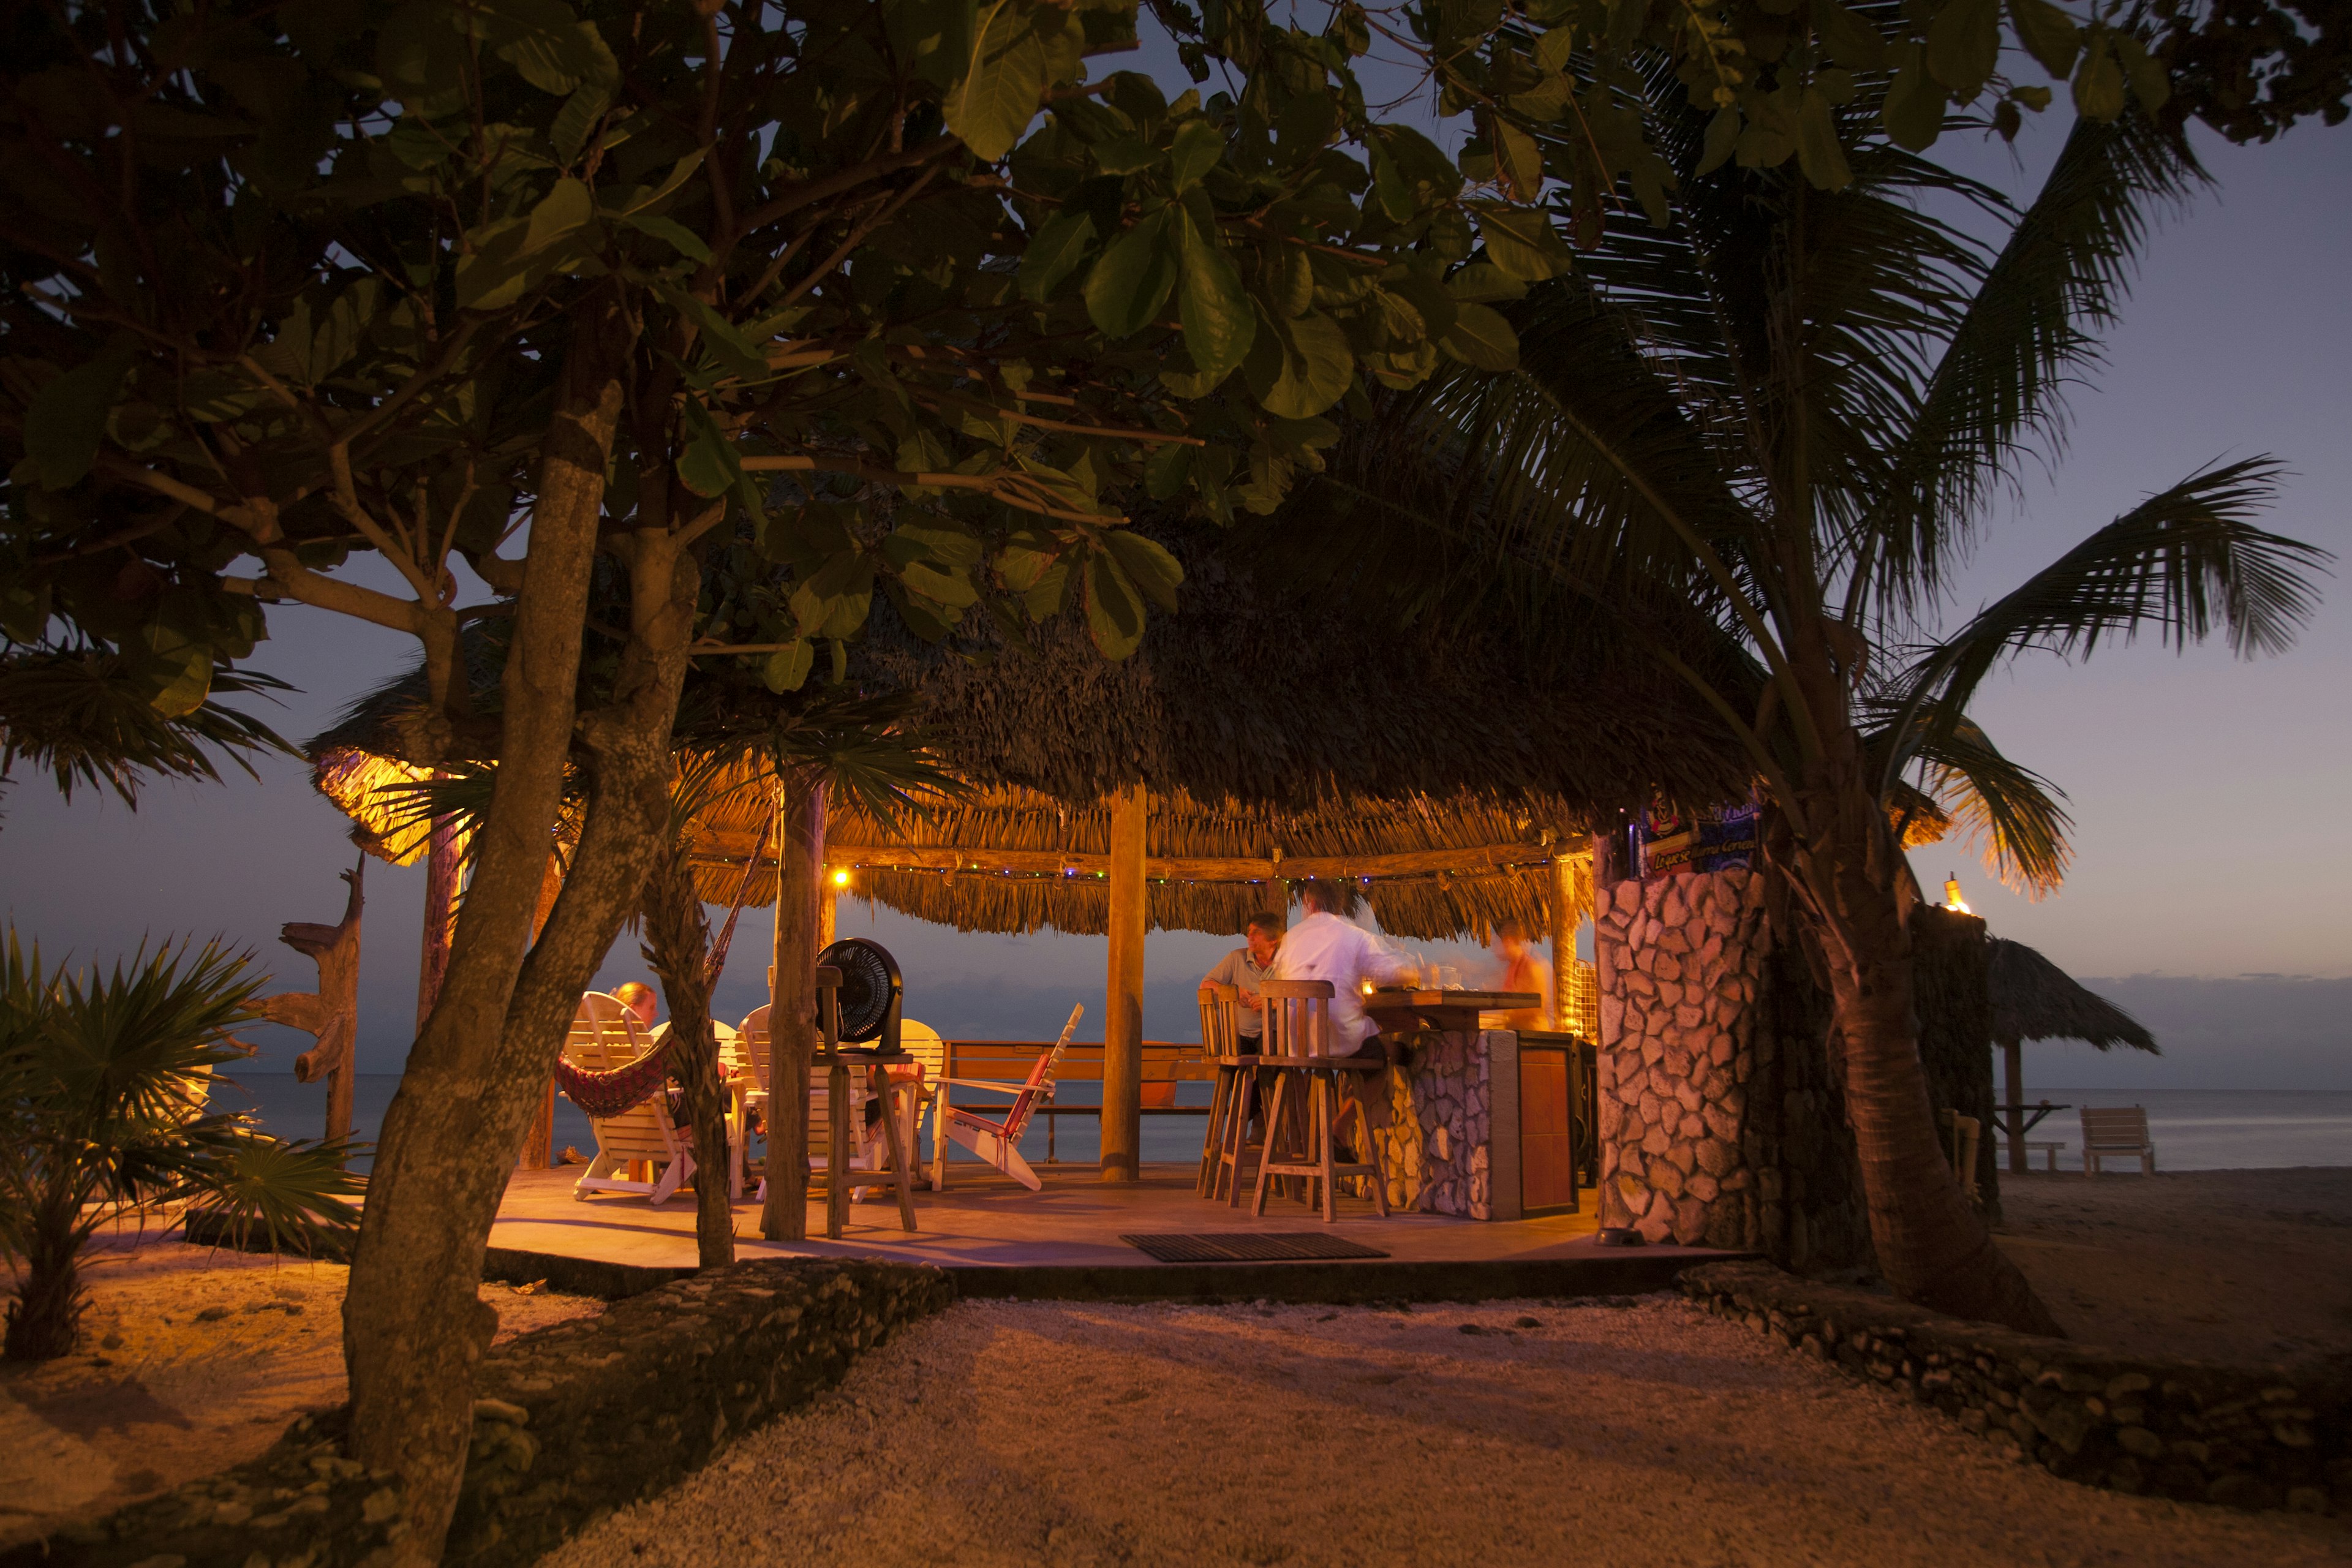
(866,983)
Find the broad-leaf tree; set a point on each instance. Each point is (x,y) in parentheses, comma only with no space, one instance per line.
(1792,408)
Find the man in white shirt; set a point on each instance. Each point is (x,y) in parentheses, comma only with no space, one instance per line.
(1324,947)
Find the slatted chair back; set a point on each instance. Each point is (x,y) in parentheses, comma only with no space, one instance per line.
(1221,1019)
(924,1044)
(605,1036)
(751,1046)
(1298,1017)
(2123,1127)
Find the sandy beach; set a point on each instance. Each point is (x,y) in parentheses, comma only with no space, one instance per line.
(1078,1433)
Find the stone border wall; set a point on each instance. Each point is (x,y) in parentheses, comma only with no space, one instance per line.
(570,1423)
(2242,1437)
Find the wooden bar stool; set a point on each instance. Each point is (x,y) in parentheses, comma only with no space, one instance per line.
(1220,1044)
(1303,1120)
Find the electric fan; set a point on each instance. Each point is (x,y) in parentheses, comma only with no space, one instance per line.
(870,992)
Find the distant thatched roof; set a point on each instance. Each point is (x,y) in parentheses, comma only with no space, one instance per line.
(1268,731)
(2033,999)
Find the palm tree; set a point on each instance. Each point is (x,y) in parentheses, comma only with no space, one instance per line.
(1789,410)
(103,1081)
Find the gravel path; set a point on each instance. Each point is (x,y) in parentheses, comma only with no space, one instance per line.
(1069,1435)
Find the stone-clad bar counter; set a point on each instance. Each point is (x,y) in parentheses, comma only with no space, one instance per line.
(1452,1145)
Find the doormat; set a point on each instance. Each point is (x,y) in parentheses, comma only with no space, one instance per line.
(1246,1247)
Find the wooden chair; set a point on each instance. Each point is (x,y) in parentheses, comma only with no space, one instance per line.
(606,1035)
(2121,1131)
(1234,1101)
(998,1140)
(1303,1120)
(925,1085)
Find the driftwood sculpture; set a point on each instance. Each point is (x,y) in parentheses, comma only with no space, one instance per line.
(331,1013)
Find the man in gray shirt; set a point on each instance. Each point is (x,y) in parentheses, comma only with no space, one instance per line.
(1246,968)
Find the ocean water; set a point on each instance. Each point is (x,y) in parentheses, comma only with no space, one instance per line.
(2212,1130)
(2194,1129)
(294,1109)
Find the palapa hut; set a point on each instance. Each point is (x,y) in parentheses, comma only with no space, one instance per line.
(1253,741)
(2033,999)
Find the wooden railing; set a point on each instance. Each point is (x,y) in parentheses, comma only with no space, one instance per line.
(1165,1062)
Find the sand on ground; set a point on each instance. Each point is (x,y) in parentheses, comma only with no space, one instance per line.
(2230,1266)
(1086,1436)
(193,1360)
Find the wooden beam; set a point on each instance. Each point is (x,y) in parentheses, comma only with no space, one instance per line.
(1481,857)
(791,1005)
(1563,936)
(1122,1090)
(2012,1061)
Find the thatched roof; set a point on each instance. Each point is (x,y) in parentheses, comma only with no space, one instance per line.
(1284,734)
(2033,999)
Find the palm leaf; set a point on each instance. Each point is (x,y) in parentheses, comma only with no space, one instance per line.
(86,717)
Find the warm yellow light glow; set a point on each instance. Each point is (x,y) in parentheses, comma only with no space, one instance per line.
(841,877)
(1368,988)
(1952,899)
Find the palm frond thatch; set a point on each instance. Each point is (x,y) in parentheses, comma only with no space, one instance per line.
(2033,999)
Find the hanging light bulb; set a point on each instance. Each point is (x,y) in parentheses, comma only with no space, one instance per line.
(841,877)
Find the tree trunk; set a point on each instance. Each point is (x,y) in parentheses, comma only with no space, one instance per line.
(677,946)
(792,1004)
(441,868)
(539,1144)
(45,1320)
(414,1324)
(1932,1247)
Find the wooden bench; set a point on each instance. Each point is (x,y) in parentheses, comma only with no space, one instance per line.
(2120,1131)
(2049,1151)
(1166,1064)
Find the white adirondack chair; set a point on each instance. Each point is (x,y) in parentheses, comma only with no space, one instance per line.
(929,1090)
(605,1035)
(749,1051)
(998,1141)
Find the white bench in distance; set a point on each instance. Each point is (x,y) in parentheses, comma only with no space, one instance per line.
(2122,1131)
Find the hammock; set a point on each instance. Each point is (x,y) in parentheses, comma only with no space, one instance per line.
(605,1095)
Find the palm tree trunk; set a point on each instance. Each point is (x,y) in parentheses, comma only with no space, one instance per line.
(1932,1246)
(45,1320)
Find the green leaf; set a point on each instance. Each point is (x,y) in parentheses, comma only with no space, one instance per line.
(1846,38)
(710,465)
(1165,471)
(1914,103)
(2048,34)
(547,42)
(725,342)
(1309,369)
(1195,152)
(1722,139)
(1054,252)
(68,418)
(788,668)
(1133,279)
(1125,155)
(1521,241)
(186,670)
(1219,321)
(1114,609)
(833,603)
(1147,564)
(2149,82)
(1964,46)
(569,130)
(1818,152)
(1519,158)
(2099,80)
(563,212)
(1481,339)
(999,94)
(671,232)
(952,588)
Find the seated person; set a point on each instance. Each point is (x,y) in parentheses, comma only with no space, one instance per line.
(1324,947)
(1244,969)
(639,999)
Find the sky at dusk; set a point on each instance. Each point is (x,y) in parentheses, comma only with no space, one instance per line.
(2213,844)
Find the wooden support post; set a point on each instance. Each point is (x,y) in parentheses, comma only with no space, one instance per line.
(1563,939)
(1122,1079)
(441,869)
(539,1144)
(793,1007)
(2013,1062)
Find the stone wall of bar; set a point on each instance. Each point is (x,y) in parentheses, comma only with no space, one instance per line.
(1438,1146)
(1681,964)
